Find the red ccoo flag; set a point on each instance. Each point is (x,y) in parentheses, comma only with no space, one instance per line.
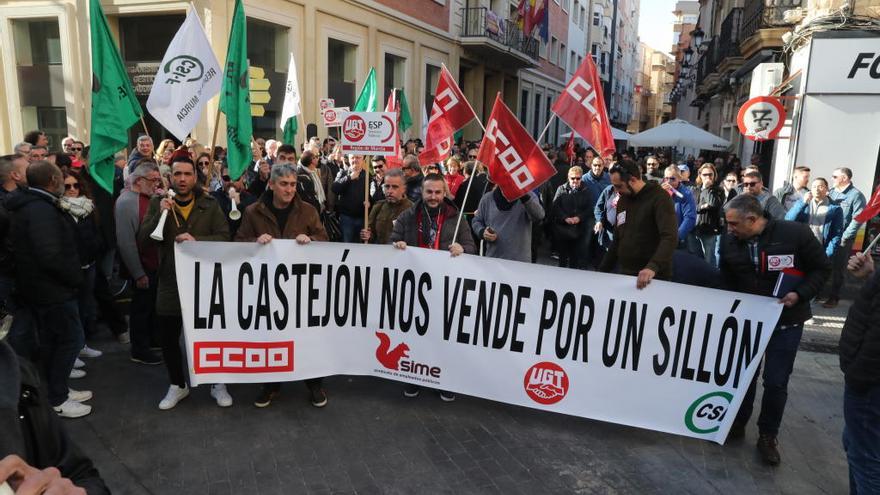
(582,107)
(871,209)
(516,162)
(393,105)
(449,113)
(437,154)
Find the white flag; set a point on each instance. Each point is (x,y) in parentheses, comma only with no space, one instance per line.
(291,94)
(188,77)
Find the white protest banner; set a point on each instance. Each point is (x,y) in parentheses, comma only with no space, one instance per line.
(333,116)
(188,77)
(671,357)
(368,133)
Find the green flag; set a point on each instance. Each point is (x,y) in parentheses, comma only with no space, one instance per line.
(290,128)
(405,119)
(114,105)
(367,101)
(235,99)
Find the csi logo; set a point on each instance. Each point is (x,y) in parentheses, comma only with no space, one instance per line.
(546,383)
(354,128)
(183,68)
(508,156)
(707,413)
(242,357)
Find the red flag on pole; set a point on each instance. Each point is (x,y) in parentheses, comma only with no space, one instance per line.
(871,209)
(450,112)
(516,162)
(570,148)
(437,154)
(393,105)
(582,107)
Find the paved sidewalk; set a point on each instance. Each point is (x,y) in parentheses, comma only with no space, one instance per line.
(370,439)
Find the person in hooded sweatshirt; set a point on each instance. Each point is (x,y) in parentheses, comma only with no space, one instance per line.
(505,227)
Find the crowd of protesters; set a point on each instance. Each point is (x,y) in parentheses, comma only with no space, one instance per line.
(70,247)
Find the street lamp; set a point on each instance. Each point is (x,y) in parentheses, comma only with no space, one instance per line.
(688,56)
(697,35)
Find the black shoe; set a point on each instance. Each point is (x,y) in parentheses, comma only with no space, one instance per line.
(265,398)
(412,391)
(737,432)
(767,448)
(447,396)
(831,302)
(318,397)
(148,357)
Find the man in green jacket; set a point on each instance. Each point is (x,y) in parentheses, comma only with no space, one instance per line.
(193,215)
(646,231)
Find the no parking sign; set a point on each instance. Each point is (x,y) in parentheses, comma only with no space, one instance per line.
(761,118)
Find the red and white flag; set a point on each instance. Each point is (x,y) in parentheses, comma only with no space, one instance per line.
(871,209)
(393,105)
(516,162)
(450,112)
(582,107)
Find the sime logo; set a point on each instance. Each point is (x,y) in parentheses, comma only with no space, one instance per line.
(546,383)
(705,415)
(393,359)
(242,357)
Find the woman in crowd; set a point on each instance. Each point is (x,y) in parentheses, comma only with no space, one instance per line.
(710,199)
(573,219)
(164,152)
(454,177)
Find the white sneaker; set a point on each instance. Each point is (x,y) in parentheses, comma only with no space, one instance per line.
(78,395)
(72,409)
(75,373)
(175,394)
(88,352)
(219,393)
(79,363)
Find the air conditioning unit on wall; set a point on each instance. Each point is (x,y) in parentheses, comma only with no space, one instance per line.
(766,77)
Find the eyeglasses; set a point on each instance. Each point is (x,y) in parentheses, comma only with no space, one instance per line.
(750,184)
(204,162)
(378,166)
(472,157)
(68,187)
(574,178)
(669,179)
(77,148)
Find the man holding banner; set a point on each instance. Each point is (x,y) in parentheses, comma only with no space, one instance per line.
(281,214)
(774,258)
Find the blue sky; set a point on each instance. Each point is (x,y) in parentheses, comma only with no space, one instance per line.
(655,23)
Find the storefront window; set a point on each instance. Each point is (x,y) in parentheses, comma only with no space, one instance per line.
(432,75)
(40,77)
(395,73)
(341,68)
(269,53)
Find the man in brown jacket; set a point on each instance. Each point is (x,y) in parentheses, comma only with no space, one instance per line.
(646,231)
(193,216)
(385,212)
(281,214)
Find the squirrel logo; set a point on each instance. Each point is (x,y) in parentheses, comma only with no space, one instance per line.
(390,358)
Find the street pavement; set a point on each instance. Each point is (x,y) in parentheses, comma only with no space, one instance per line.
(370,439)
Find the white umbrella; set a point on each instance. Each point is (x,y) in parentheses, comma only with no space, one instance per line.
(618,135)
(679,133)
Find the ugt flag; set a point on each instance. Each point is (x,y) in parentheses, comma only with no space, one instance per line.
(516,162)
(291,107)
(114,105)
(449,113)
(582,107)
(188,77)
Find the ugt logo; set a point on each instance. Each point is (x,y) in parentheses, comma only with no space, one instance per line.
(707,413)
(582,92)
(508,156)
(546,383)
(354,128)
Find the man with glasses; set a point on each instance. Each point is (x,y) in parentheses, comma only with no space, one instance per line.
(376,191)
(139,260)
(646,230)
(233,191)
(652,167)
(794,191)
(386,211)
(67,143)
(683,199)
(852,202)
(38,154)
(472,154)
(753,185)
(754,253)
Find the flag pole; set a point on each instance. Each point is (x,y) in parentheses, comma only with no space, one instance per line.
(146,131)
(366,172)
(550,121)
(867,250)
(467,191)
(214,134)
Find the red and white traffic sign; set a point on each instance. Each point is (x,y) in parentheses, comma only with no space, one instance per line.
(332,116)
(761,118)
(368,133)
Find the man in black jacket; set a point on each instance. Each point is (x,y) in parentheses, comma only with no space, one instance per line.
(753,255)
(860,362)
(44,243)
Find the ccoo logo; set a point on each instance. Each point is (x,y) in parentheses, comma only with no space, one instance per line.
(546,383)
(705,415)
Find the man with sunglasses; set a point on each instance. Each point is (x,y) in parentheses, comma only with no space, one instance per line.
(225,196)
(379,166)
(385,212)
(753,184)
(852,202)
(754,253)
(683,198)
(646,230)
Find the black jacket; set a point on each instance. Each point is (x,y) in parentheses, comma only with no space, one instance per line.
(406,228)
(568,202)
(481,185)
(709,203)
(779,238)
(44,244)
(89,244)
(32,430)
(5,244)
(414,188)
(860,339)
(350,193)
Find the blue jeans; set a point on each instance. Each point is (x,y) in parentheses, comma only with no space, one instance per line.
(708,243)
(861,439)
(61,338)
(778,365)
(351,227)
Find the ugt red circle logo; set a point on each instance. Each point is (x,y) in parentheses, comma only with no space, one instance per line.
(546,383)
(354,128)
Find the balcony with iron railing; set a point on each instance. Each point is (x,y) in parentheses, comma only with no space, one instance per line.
(487,33)
(708,62)
(729,38)
(760,15)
